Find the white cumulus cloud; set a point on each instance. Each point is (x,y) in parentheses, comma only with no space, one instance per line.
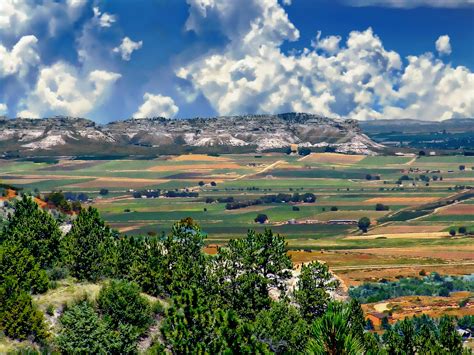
(62,89)
(443,46)
(156,106)
(3,109)
(20,58)
(103,19)
(17,16)
(127,47)
(357,77)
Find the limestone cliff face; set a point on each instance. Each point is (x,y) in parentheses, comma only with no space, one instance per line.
(258,132)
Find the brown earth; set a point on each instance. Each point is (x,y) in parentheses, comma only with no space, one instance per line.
(402,200)
(457,209)
(195,167)
(333,158)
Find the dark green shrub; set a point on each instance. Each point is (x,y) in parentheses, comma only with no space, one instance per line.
(122,303)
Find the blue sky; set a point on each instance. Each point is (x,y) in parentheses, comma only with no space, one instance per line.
(363,59)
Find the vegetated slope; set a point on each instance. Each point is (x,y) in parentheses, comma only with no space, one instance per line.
(72,136)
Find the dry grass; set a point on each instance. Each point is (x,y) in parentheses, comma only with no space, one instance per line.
(195,167)
(394,229)
(402,200)
(409,306)
(358,277)
(453,253)
(67,291)
(423,235)
(333,158)
(198,157)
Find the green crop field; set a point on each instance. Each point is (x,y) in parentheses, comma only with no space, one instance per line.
(344,191)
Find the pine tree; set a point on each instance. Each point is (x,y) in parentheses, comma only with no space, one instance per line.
(17,262)
(19,317)
(88,246)
(312,289)
(34,229)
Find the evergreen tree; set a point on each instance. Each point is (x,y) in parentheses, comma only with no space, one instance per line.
(34,229)
(82,330)
(19,317)
(282,328)
(87,246)
(332,333)
(312,289)
(122,303)
(184,261)
(17,262)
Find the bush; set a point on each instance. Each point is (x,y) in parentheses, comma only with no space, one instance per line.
(334,208)
(295,208)
(82,330)
(452,232)
(50,310)
(462,230)
(104,192)
(122,302)
(57,273)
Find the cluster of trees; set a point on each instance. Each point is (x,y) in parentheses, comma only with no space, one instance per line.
(461,230)
(66,202)
(217,303)
(431,285)
(157,193)
(266,199)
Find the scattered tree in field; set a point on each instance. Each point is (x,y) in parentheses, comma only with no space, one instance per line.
(334,208)
(261,218)
(381,207)
(462,167)
(201,183)
(452,232)
(462,230)
(213,183)
(304,151)
(104,192)
(364,224)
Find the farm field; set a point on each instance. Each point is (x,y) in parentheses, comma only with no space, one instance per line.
(423,199)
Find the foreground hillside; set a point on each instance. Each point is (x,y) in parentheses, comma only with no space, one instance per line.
(75,136)
(92,291)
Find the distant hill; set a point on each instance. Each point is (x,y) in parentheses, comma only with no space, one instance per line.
(455,125)
(79,136)
(450,135)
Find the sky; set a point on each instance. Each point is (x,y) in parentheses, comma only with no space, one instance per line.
(120,59)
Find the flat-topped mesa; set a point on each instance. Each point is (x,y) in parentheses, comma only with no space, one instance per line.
(251,132)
